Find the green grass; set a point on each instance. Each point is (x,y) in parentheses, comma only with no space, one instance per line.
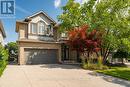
(120,72)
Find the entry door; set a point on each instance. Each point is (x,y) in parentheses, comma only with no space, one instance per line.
(65,52)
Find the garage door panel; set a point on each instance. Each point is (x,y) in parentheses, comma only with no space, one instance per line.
(35,56)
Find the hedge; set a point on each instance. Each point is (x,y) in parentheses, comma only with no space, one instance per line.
(3,58)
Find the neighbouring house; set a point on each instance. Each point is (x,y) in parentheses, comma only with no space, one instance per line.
(2,33)
(39,41)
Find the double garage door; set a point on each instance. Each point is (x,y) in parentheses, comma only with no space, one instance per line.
(41,56)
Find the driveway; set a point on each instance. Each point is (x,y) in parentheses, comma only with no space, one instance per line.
(54,75)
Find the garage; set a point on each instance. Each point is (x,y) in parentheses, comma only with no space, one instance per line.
(40,56)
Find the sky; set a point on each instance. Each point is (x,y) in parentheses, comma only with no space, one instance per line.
(24,8)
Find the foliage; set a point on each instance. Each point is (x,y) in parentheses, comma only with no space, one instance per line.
(77,38)
(124,45)
(3,53)
(111,17)
(119,72)
(121,54)
(3,58)
(13,49)
(2,66)
(94,66)
(82,40)
(12,46)
(71,16)
(123,49)
(100,62)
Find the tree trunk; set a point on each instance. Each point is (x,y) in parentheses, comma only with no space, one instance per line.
(97,54)
(106,53)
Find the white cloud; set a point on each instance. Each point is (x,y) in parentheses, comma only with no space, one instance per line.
(57,3)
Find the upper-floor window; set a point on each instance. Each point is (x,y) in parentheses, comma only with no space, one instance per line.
(34,28)
(41,28)
(64,34)
(48,29)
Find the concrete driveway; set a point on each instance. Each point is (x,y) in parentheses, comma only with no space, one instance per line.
(54,75)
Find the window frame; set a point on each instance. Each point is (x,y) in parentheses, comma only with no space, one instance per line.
(64,35)
(32,28)
(43,29)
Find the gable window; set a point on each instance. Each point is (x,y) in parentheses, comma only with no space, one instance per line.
(41,28)
(33,28)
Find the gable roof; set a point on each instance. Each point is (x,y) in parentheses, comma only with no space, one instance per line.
(27,19)
(2,29)
(41,12)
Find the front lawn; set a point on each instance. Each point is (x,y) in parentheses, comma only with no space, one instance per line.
(119,72)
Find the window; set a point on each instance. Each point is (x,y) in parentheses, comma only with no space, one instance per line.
(33,28)
(41,28)
(64,34)
(49,29)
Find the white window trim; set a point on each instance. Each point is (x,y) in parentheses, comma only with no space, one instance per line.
(32,28)
(64,35)
(41,30)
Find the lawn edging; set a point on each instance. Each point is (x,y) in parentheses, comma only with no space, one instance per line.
(123,73)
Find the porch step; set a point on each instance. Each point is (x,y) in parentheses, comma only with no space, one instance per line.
(71,62)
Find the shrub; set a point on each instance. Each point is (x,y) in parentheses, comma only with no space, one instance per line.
(94,66)
(2,66)
(3,59)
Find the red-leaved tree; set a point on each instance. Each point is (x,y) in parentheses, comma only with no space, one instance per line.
(83,41)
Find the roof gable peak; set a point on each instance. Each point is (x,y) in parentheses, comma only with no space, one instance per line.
(41,12)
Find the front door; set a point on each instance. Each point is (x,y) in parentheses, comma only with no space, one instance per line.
(65,52)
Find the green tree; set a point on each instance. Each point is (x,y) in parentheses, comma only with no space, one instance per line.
(111,17)
(120,54)
(70,17)
(13,50)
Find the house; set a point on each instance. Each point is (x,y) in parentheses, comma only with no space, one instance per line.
(39,41)
(2,33)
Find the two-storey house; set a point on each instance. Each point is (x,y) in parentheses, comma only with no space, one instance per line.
(40,42)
